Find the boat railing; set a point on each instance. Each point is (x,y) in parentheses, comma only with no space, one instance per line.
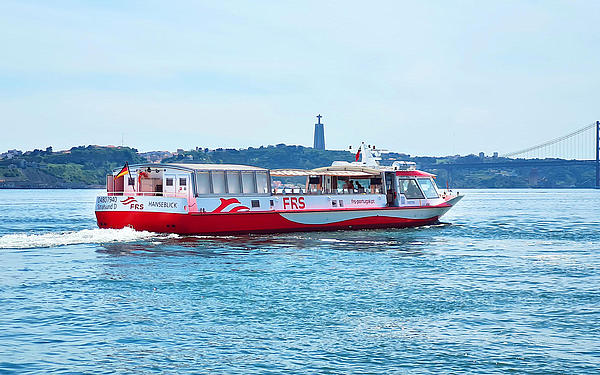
(292,191)
(147,194)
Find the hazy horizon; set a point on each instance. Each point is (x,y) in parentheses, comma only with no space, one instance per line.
(427,78)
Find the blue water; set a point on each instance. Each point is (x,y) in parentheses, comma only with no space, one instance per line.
(512,285)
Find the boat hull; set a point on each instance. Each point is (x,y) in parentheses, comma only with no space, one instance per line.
(270,221)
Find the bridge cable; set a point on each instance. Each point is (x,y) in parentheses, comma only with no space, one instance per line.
(551,142)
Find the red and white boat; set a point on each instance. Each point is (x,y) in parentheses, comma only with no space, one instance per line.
(230,199)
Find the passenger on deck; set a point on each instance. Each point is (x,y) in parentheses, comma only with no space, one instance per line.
(348,186)
(359,188)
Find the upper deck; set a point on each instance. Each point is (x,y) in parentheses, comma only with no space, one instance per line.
(342,184)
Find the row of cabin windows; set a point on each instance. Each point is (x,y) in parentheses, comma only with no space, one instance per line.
(232,182)
(182,182)
(168,181)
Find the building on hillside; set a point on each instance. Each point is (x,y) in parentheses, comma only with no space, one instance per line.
(10,154)
(156,156)
(319,139)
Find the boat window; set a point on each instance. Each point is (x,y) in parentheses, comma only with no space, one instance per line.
(131,181)
(248,182)
(218,182)
(359,185)
(233,182)
(169,182)
(182,182)
(262,181)
(410,189)
(202,183)
(428,188)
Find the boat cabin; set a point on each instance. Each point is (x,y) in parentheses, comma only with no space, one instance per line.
(339,185)
(190,180)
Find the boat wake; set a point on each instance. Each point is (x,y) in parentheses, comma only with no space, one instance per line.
(85,236)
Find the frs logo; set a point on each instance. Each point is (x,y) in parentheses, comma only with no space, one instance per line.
(294,203)
(132,203)
(228,202)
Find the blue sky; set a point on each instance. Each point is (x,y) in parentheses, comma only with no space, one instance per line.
(422,77)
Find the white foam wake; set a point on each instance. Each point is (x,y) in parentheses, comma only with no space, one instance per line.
(85,236)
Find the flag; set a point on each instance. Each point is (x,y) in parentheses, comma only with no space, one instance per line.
(124,171)
(357,155)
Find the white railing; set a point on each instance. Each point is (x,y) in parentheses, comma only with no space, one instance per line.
(287,191)
(146,194)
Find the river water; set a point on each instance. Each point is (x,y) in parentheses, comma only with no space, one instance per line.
(510,283)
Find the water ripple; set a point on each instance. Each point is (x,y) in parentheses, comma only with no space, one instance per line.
(509,283)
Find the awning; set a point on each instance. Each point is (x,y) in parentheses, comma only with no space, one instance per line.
(347,170)
(290,172)
(323,172)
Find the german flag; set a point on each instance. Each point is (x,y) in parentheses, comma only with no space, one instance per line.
(124,171)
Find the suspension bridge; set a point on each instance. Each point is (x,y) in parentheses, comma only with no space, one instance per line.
(580,147)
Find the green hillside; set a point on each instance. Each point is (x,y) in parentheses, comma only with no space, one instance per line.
(280,156)
(78,167)
(87,166)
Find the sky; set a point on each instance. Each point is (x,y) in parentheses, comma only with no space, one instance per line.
(420,77)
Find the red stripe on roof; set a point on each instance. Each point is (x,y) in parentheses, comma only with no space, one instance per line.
(414,174)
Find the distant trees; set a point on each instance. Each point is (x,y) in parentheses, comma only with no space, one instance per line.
(88,165)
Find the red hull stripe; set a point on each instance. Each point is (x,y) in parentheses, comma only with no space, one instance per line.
(267,222)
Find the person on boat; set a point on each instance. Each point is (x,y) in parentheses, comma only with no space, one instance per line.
(349,186)
(359,188)
(374,188)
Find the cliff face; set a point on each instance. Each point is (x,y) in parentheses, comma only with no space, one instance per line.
(86,167)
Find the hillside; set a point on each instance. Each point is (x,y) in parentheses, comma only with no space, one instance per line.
(79,167)
(87,166)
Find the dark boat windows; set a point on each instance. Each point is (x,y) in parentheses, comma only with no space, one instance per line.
(169,182)
(410,189)
(351,185)
(428,188)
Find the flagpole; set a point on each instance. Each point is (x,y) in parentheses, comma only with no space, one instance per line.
(129,173)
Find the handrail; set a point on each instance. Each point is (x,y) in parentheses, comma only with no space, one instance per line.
(324,192)
(146,194)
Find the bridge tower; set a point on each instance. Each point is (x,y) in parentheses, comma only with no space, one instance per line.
(597,154)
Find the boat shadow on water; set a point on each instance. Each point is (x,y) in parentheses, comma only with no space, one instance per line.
(405,242)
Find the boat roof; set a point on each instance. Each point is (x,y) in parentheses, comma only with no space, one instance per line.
(337,170)
(345,170)
(414,173)
(200,167)
(224,167)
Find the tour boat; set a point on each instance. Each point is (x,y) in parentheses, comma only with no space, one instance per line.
(214,199)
